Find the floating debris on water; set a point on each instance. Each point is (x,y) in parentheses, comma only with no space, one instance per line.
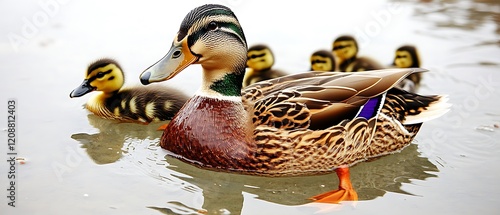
(490,128)
(21,160)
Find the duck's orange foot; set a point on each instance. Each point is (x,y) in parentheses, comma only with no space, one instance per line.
(162,127)
(344,193)
(336,196)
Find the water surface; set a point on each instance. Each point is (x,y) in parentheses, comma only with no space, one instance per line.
(80,164)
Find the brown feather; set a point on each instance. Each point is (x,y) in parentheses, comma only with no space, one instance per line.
(298,130)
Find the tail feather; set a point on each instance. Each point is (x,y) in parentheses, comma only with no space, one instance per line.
(435,109)
(410,108)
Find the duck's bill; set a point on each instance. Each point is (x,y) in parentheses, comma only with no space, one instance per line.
(177,59)
(83,89)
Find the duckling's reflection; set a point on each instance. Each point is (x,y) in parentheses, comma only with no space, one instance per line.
(107,145)
(223,191)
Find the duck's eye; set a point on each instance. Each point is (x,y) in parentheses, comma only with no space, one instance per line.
(177,54)
(212,26)
(317,61)
(100,75)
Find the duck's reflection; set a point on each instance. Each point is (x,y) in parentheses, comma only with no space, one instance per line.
(224,191)
(107,145)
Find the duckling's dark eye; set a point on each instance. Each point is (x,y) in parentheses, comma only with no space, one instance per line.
(100,75)
(317,61)
(212,26)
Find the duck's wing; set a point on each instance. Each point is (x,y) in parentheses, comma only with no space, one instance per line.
(318,100)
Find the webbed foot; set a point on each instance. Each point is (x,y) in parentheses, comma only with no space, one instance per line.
(345,192)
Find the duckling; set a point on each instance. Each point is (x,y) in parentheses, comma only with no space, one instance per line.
(322,60)
(141,104)
(260,59)
(407,57)
(345,48)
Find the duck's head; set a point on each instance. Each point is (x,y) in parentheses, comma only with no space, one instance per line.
(322,60)
(406,57)
(103,75)
(345,47)
(209,35)
(260,57)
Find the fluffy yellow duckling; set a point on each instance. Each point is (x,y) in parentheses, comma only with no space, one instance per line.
(322,60)
(260,59)
(142,104)
(407,57)
(345,48)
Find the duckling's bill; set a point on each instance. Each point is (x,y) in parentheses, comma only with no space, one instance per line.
(177,59)
(83,89)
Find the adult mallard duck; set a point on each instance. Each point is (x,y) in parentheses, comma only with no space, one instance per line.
(407,57)
(302,124)
(322,60)
(260,60)
(141,104)
(345,48)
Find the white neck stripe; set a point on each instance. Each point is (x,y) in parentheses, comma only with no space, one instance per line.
(215,95)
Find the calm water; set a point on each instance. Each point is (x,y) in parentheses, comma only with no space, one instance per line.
(77,163)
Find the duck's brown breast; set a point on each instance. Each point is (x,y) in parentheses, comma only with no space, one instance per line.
(212,133)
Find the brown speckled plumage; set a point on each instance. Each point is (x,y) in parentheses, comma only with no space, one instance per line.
(301,124)
(216,134)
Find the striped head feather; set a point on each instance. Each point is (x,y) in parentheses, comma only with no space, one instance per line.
(209,35)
